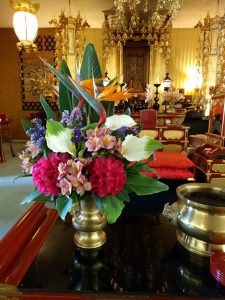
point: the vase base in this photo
(90, 240)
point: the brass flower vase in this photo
(89, 222)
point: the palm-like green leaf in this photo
(26, 124)
(63, 205)
(77, 90)
(63, 78)
(48, 111)
(65, 96)
(35, 196)
(90, 66)
(113, 206)
(144, 185)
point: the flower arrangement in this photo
(148, 93)
(172, 96)
(73, 157)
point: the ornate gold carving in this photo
(172, 148)
(164, 120)
(144, 19)
(173, 134)
(218, 168)
(218, 181)
(25, 5)
(9, 292)
(151, 133)
(69, 36)
(211, 44)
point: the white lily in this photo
(135, 148)
(117, 121)
(59, 138)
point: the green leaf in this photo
(54, 127)
(109, 107)
(35, 196)
(75, 101)
(21, 176)
(98, 201)
(113, 207)
(48, 111)
(65, 96)
(153, 145)
(77, 90)
(127, 111)
(89, 126)
(26, 124)
(137, 167)
(144, 185)
(90, 66)
(63, 205)
(64, 79)
(123, 195)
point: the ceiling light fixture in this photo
(140, 20)
(25, 23)
(70, 37)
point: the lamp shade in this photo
(26, 26)
(167, 82)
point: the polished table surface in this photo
(140, 257)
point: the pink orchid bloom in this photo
(93, 144)
(65, 186)
(107, 141)
(32, 148)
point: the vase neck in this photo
(88, 205)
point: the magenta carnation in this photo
(45, 174)
(107, 176)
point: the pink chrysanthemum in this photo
(45, 174)
(107, 176)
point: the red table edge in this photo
(16, 257)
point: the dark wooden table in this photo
(141, 259)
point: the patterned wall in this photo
(35, 78)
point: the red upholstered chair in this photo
(148, 118)
(5, 126)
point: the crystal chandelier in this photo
(140, 20)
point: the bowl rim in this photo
(188, 187)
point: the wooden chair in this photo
(5, 126)
(148, 118)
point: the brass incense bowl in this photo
(200, 217)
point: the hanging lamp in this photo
(25, 24)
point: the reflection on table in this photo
(140, 257)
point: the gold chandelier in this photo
(140, 20)
(25, 23)
(69, 36)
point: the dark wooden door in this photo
(136, 65)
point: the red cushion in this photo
(170, 173)
(173, 160)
